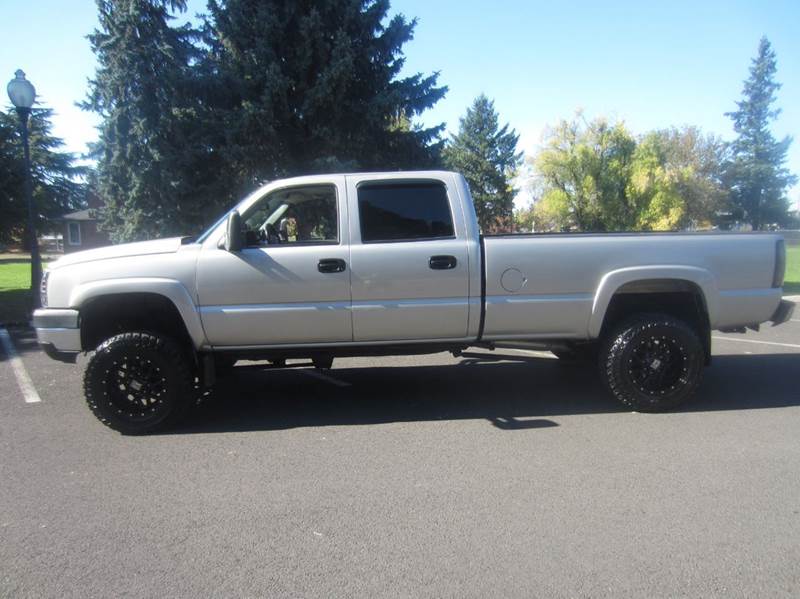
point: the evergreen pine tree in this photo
(57, 186)
(305, 86)
(486, 154)
(755, 174)
(142, 90)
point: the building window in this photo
(74, 233)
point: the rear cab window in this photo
(404, 211)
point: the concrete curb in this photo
(792, 298)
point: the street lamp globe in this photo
(21, 91)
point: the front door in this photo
(291, 283)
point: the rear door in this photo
(409, 260)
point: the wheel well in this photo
(679, 298)
(109, 315)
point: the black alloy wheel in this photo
(657, 365)
(137, 383)
(652, 362)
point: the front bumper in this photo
(58, 333)
(783, 312)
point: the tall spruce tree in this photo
(142, 90)
(314, 86)
(57, 181)
(487, 156)
(756, 174)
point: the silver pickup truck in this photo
(394, 263)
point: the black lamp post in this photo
(23, 94)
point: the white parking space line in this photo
(23, 380)
(324, 377)
(792, 345)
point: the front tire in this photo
(652, 362)
(137, 383)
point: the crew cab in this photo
(325, 266)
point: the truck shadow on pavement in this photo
(511, 394)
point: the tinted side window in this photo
(407, 211)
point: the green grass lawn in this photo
(791, 284)
(15, 274)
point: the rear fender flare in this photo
(614, 280)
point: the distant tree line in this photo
(598, 176)
(193, 117)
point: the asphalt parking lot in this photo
(427, 476)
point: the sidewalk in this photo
(21, 256)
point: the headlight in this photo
(43, 289)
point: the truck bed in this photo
(553, 285)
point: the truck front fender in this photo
(169, 288)
(614, 280)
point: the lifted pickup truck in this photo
(394, 263)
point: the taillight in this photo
(780, 263)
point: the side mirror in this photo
(234, 239)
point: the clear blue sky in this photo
(651, 64)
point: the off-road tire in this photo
(652, 362)
(138, 383)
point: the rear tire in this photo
(652, 362)
(137, 383)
